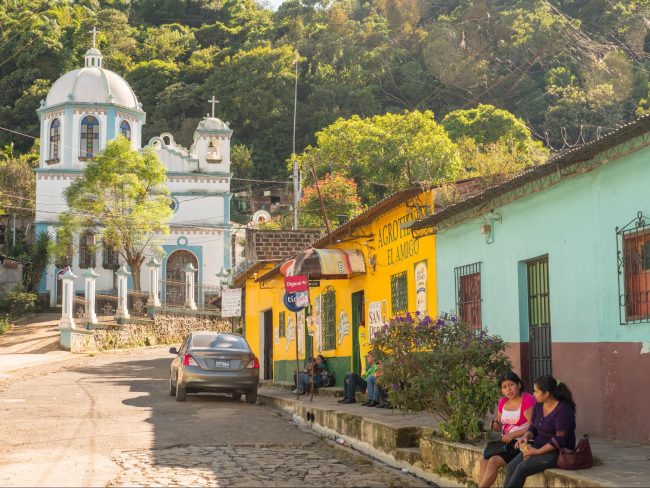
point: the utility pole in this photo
(296, 172)
(13, 242)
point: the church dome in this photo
(92, 84)
(212, 123)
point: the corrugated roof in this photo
(582, 153)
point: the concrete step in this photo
(333, 391)
(409, 454)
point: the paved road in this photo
(108, 421)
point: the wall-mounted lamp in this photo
(372, 262)
(487, 227)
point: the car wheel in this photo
(181, 392)
(251, 396)
(236, 396)
(172, 387)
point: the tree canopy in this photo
(384, 153)
(568, 69)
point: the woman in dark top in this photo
(553, 423)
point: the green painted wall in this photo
(573, 222)
(284, 370)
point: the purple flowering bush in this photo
(443, 366)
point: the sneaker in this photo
(382, 405)
(366, 403)
(342, 400)
(372, 404)
(347, 401)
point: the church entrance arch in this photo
(175, 277)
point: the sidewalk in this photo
(392, 433)
(31, 342)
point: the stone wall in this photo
(163, 329)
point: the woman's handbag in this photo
(493, 448)
(579, 458)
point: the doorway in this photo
(174, 285)
(539, 319)
(358, 320)
(268, 344)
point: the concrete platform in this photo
(407, 440)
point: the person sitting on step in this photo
(354, 381)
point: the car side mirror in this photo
(173, 350)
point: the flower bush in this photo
(443, 366)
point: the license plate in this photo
(220, 363)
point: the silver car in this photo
(215, 362)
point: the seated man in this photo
(353, 381)
(376, 394)
(304, 379)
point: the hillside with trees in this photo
(568, 70)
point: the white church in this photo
(90, 106)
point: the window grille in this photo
(86, 251)
(110, 257)
(468, 294)
(89, 140)
(399, 292)
(282, 332)
(328, 313)
(55, 138)
(633, 256)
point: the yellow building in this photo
(382, 271)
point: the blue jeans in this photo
(304, 382)
(373, 389)
(519, 469)
(351, 382)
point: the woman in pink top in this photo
(513, 419)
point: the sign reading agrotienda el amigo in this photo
(398, 243)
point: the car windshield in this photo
(219, 341)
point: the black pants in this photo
(519, 469)
(351, 382)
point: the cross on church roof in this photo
(94, 33)
(213, 101)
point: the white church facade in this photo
(90, 106)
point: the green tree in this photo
(122, 198)
(385, 153)
(17, 181)
(497, 134)
(340, 200)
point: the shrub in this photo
(17, 303)
(443, 366)
(5, 325)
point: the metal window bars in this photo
(399, 292)
(633, 259)
(173, 294)
(329, 320)
(468, 294)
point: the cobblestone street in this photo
(315, 464)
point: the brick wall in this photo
(274, 245)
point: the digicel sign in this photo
(296, 283)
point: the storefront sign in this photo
(421, 287)
(231, 302)
(398, 243)
(294, 284)
(296, 301)
(314, 283)
(375, 317)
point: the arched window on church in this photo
(89, 140)
(55, 140)
(125, 129)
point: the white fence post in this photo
(189, 286)
(90, 278)
(67, 316)
(154, 280)
(122, 311)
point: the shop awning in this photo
(328, 263)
